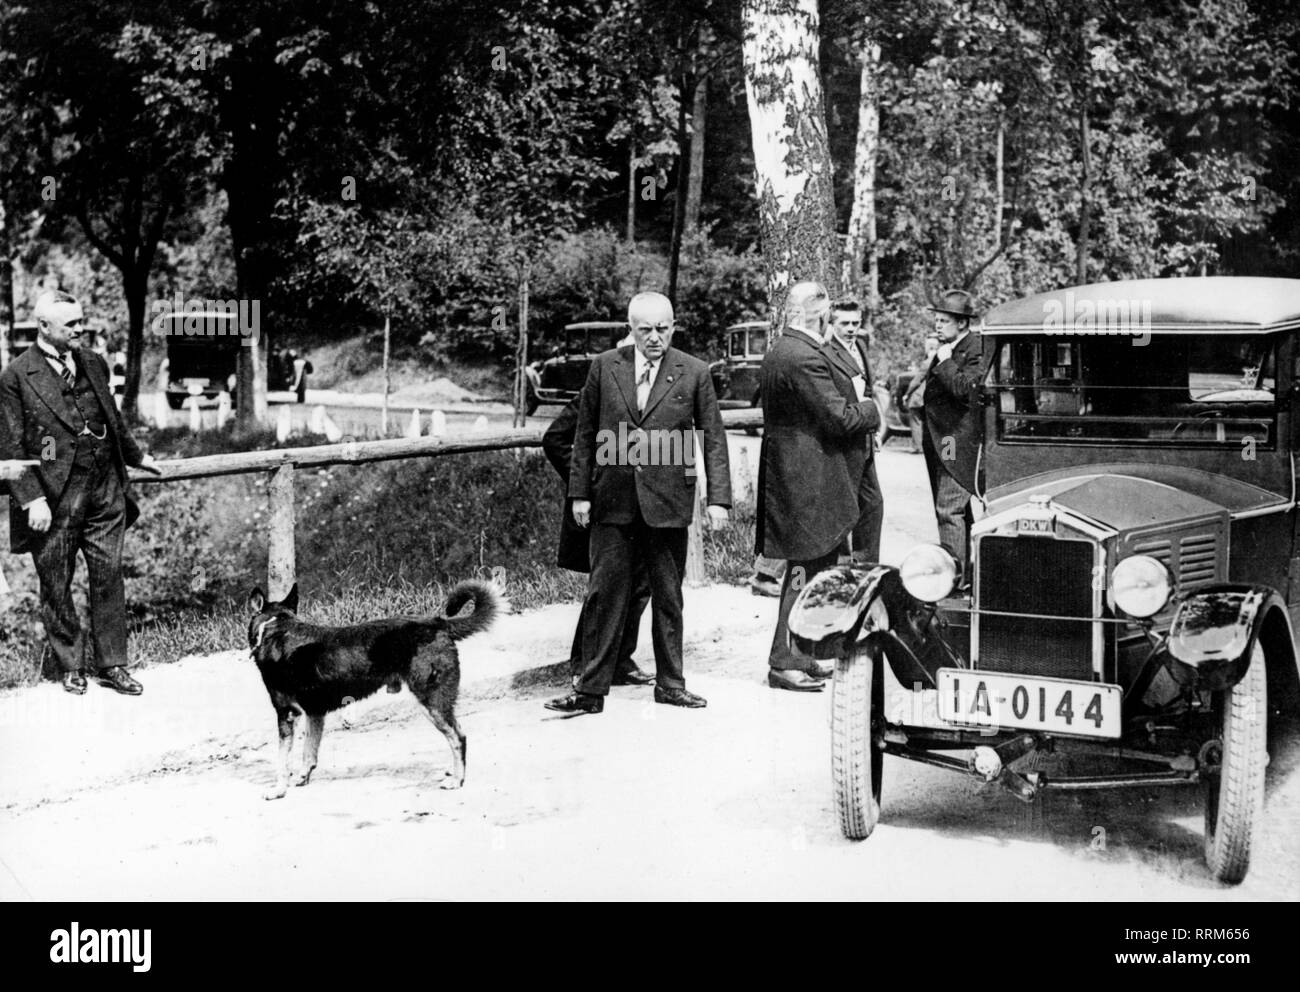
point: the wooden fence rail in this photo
(283, 462)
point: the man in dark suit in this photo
(56, 407)
(952, 422)
(846, 347)
(573, 553)
(632, 480)
(807, 500)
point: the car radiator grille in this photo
(1038, 576)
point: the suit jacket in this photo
(807, 501)
(681, 401)
(856, 454)
(574, 551)
(952, 408)
(35, 423)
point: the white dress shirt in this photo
(644, 382)
(58, 362)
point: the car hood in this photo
(1129, 496)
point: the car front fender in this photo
(1214, 632)
(850, 605)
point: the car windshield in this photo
(748, 341)
(1207, 390)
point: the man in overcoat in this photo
(807, 500)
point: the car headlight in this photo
(1140, 586)
(928, 573)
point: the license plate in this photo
(992, 700)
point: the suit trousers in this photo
(952, 510)
(631, 629)
(89, 517)
(797, 575)
(871, 505)
(617, 552)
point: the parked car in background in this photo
(203, 364)
(1135, 578)
(557, 379)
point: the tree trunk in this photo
(861, 242)
(632, 191)
(135, 288)
(999, 184)
(388, 381)
(521, 349)
(792, 163)
(695, 181)
(679, 201)
(1085, 204)
(6, 289)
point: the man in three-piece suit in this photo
(573, 553)
(56, 408)
(632, 481)
(807, 499)
(846, 347)
(952, 422)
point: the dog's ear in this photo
(256, 600)
(290, 602)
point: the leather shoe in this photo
(576, 703)
(821, 672)
(633, 676)
(795, 681)
(764, 585)
(74, 682)
(679, 697)
(117, 679)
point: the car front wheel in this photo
(1234, 794)
(857, 715)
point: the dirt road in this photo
(159, 797)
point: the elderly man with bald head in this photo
(807, 495)
(632, 482)
(56, 408)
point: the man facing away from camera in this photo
(632, 481)
(56, 408)
(807, 498)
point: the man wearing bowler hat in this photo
(952, 421)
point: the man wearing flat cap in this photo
(56, 409)
(952, 421)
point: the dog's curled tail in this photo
(487, 601)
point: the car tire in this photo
(1234, 795)
(530, 399)
(754, 431)
(857, 714)
(176, 401)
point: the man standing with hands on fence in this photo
(807, 501)
(56, 409)
(632, 481)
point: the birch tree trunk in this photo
(862, 246)
(792, 163)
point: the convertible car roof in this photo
(1230, 304)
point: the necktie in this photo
(68, 376)
(643, 386)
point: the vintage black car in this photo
(558, 379)
(735, 376)
(1135, 577)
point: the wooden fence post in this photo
(695, 573)
(280, 568)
